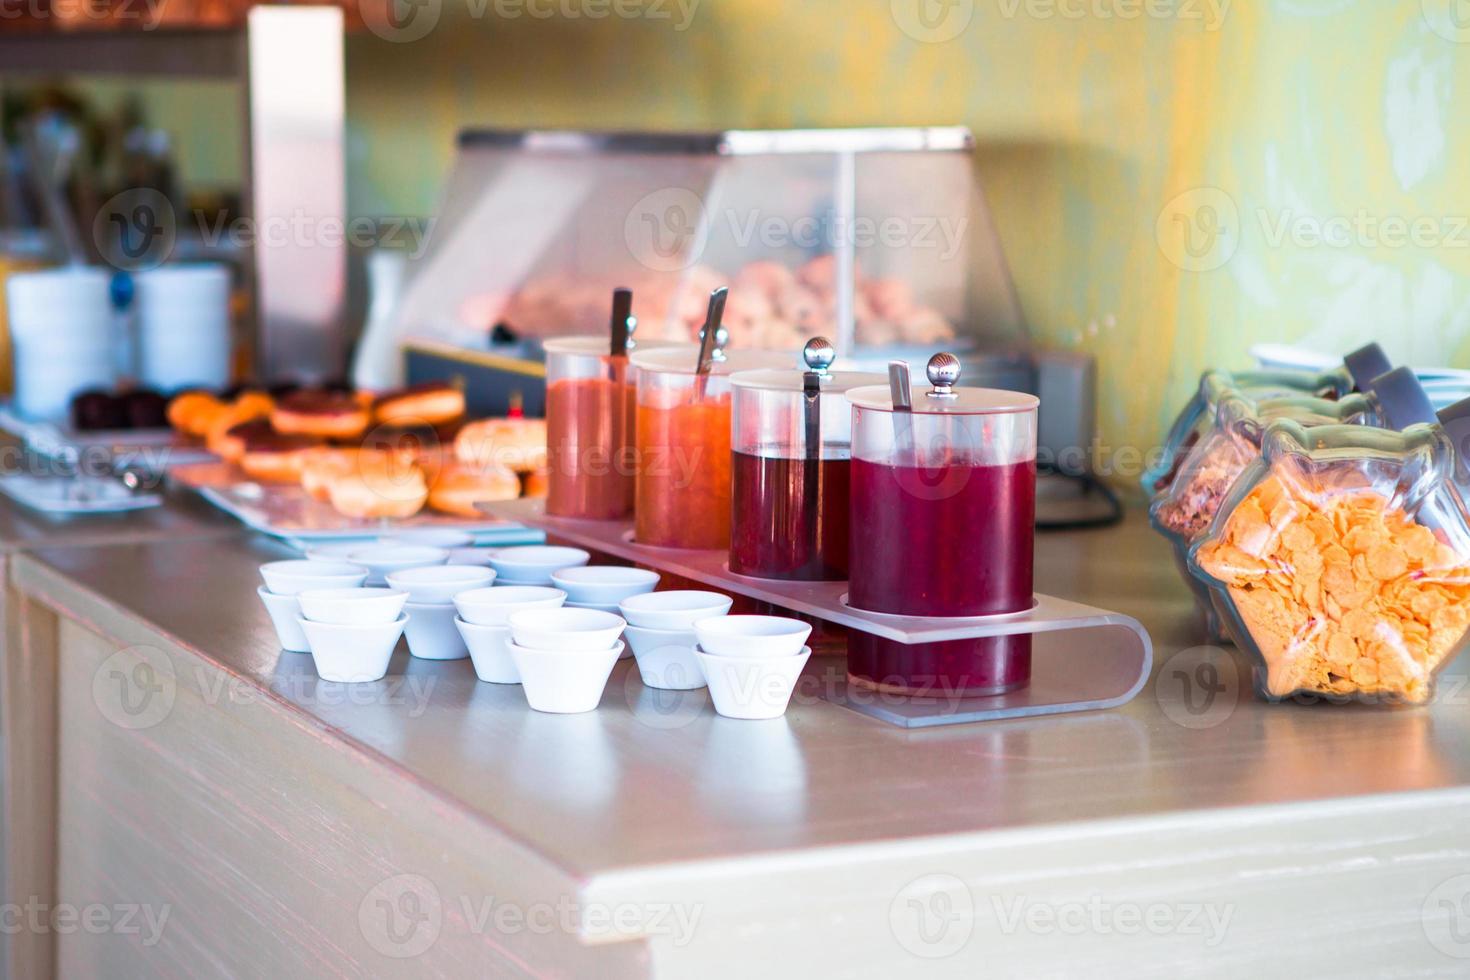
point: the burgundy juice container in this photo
(942, 516)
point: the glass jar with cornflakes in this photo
(1341, 560)
(1358, 369)
(1187, 508)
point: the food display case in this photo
(879, 239)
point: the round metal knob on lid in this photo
(818, 355)
(944, 373)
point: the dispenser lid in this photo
(595, 345)
(944, 396)
(1401, 399)
(682, 360)
(817, 358)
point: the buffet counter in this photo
(283, 826)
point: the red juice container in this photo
(791, 439)
(943, 506)
(590, 417)
(682, 493)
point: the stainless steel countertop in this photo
(641, 784)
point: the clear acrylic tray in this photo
(1083, 658)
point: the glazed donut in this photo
(194, 412)
(373, 490)
(275, 458)
(429, 404)
(534, 483)
(231, 438)
(460, 487)
(517, 444)
(326, 414)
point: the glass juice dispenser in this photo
(792, 443)
(682, 494)
(943, 510)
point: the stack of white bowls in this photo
(382, 560)
(352, 632)
(65, 337)
(534, 564)
(285, 580)
(661, 633)
(752, 663)
(565, 656)
(431, 614)
(603, 587)
(183, 325)
(484, 624)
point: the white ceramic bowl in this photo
(352, 653)
(471, 556)
(564, 681)
(291, 577)
(352, 607)
(382, 560)
(534, 564)
(489, 648)
(603, 585)
(493, 607)
(562, 630)
(752, 688)
(431, 633)
(676, 610)
(610, 607)
(334, 550)
(439, 584)
(665, 658)
(284, 611)
(432, 537)
(752, 636)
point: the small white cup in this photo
(352, 654)
(284, 611)
(489, 648)
(431, 537)
(352, 607)
(752, 636)
(674, 610)
(431, 633)
(564, 630)
(471, 556)
(665, 658)
(493, 607)
(298, 575)
(534, 564)
(600, 607)
(332, 550)
(752, 688)
(439, 584)
(603, 585)
(564, 682)
(382, 560)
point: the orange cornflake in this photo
(1344, 594)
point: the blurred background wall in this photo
(1173, 180)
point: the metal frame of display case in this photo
(289, 62)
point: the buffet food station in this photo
(749, 650)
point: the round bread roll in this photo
(379, 489)
(325, 414)
(429, 404)
(516, 444)
(323, 466)
(459, 488)
(276, 458)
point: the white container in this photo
(565, 629)
(534, 564)
(600, 607)
(471, 556)
(564, 681)
(752, 688)
(439, 584)
(298, 575)
(332, 550)
(432, 537)
(182, 315)
(603, 585)
(284, 611)
(431, 632)
(493, 607)
(64, 336)
(752, 636)
(673, 610)
(352, 607)
(382, 560)
(665, 658)
(352, 654)
(489, 648)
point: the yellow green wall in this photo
(1106, 127)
